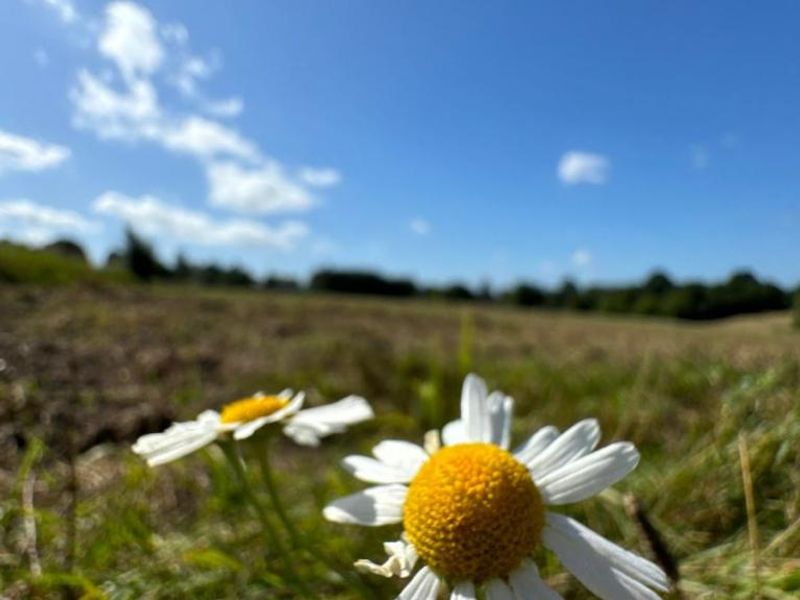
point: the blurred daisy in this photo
(474, 513)
(242, 418)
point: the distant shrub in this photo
(67, 248)
(361, 282)
(19, 264)
(796, 310)
(525, 294)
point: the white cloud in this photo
(206, 139)
(151, 216)
(129, 38)
(43, 216)
(64, 8)
(577, 167)
(265, 189)
(175, 33)
(41, 57)
(231, 107)
(135, 114)
(582, 258)
(125, 105)
(19, 153)
(700, 157)
(192, 69)
(35, 223)
(321, 178)
(129, 115)
(420, 226)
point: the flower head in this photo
(474, 512)
(242, 418)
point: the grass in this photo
(88, 368)
(20, 264)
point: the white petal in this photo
(463, 591)
(500, 408)
(535, 444)
(248, 428)
(177, 441)
(497, 589)
(454, 433)
(608, 571)
(424, 586)
(589, 475)
(374, 471)
(307, 434)
(527, 583)
(432, 442)
(380, 505)
(308, 426)
(208, 416)
(577, 441)
(401, 561)
(474, 411)
(401, 454)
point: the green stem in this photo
(273, 539)
(299, 543)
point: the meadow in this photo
(84, 370)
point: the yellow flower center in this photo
(473, 512)
(248, 409)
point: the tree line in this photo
(657, 295)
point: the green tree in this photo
(140, 258)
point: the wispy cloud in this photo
(420, 226)
(320, 178)
(228, 108)
(152, 216)
(65, 9)
(577, 167)
(130, 39)
(239, 175)
(35, 223)
(44, 216)
(582, 258)
(206, 139)
(262, 190)
(18, 153)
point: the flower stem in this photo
(273, 539)
(296, 539)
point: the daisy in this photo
(473, 512)
(242, 418)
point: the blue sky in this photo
(444, 140)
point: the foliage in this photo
(140, 258)
(361, 282)
(796, 310)
(20, 264)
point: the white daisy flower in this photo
(474, 512)
(242, 418)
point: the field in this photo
(84, 370)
